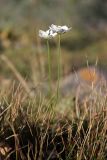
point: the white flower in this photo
(47, 34)
(59, 29)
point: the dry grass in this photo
(30, 129)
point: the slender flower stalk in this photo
(49, 67)
(49, 34)
(59, 65)
(59, 30)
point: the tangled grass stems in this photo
(48, 136)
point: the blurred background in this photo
(20, 22)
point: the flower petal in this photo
(59, 29)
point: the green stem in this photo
(59, 65)
(49, 66)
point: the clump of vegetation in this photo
(34, 125)
(30, 129)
